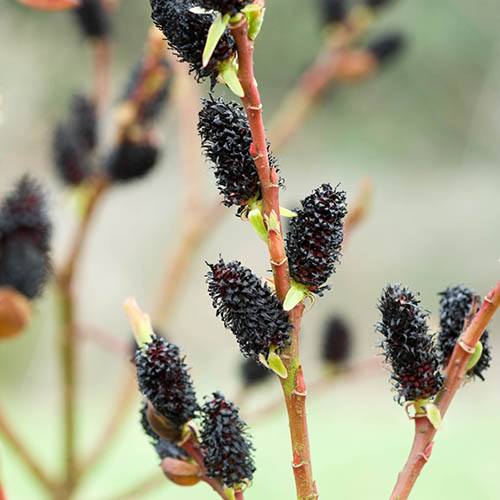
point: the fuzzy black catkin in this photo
(93, 18)
(455, 306)
(164, 380)
(187, 32)
(226, 140)
(387, 47)
(25, 231)
(163, 447)
(226, 445)
(408, 346)
(333, 11)
(314, 239)
(253, 373)
(132, 160)
(337, 341)
(376, 4)
(248, 308)
(231, 7)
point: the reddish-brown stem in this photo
(238, 495)
(456, 372)
(102, 62)
(294, 388)
(193, 450)
(25, 455)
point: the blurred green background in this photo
(426, 130)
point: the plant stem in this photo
(139, 490)
(294, 388)
(26, 457)
(456, 372)
(68, 337)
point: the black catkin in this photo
(408, 346)
(253, 373)
(164, 380)
(387, 47)
(226, 140)
(93, 18)
(132, 160)
(187, 31)
(314, 240)
(74, 140)
(376, 4)
(25, 231)
(337, 341)
(163, 447)
(333, 11)
(455, 307)
(231, 7)
(248, 308)
(226, 445)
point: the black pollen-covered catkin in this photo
(253, 373)
(226, 140)
(314, 239)
(74, 140)
(226, 446)
(408, 346)
(25, 231)
(93, 18)
(132, 160)
(248, 308)
(333, 11)
(337, 341)
(455, 307)
(164, 380)
(387, 47)
(163, 447)
(376, 4)
(231, 7)
(186, 32)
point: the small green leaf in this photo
(433, 415)
(287, 213)
(476, 356)
(276, 364)
(255, 17)
(263, 360)
(295, 295)
(228, 74)
(214, 35)
(257, 221)
(229, 493)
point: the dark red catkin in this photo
(455, 307)
(248, 308)
(231, 7)
(187, 31)
(408, 346)
(226, 140)
(25, 231)
(314, 239)
(226, 446)
(74, 140)
(132, 160)
(253, 373)
(337, 341)
(93, 18)
(164, 380)
(387, 47)
(163, 447)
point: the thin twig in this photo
(147, 485)
(25, 455)
(294, 388)
(456, 372)
(102, 64)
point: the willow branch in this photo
(102, 65)
(294, 388)
(455, 374)
(26, 457)
(147, 485)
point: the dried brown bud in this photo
(180, 472)
(15, 312)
